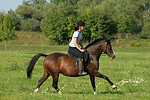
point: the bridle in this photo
(107, 48)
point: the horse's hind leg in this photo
(44, 78)
(55, 81)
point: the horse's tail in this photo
(32, 63)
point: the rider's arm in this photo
(77, 46)
(81, 44)
(75, 43)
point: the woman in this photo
(74, 47)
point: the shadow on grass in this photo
(93, 93)
(117, 92)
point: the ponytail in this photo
(75, 28)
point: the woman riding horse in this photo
(56, 63)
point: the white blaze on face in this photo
(112, 49)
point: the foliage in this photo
(103, 18)
(25, 11)
(146, 26)
(31, 12)
(56, 25)
(122, 23)
(33, 3)
(6, 28)
(30, 25)
(38, 13)
(70, 2)
(95, 24)
(16, 20)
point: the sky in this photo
(10, 4)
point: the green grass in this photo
(129, 71)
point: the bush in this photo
(59, 22)
(30, 25)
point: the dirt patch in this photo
(31, 37)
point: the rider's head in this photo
(80, 26)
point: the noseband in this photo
(106, 48)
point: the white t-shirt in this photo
(77, 35)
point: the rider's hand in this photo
(82, 50)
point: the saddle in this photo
(86, 59)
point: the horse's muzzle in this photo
(112, 56)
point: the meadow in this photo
(129, 71)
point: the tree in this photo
(6, 29)
(38, 13)
(38, 8)
(70, 2)
(146, 28)
(95, 22)
(33, 3)
(102, 17)
(16, 20)
(122, 24)
(70, 26)
(25, 11)
(98, 23)
(31, 13)
(56, 22)
(30, 25)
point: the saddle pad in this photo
(75, 58)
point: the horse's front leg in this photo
(92, 78)
(97, 74)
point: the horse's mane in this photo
(95, 42)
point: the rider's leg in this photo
(81, 68)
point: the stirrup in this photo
(82, 72)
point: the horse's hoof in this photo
(114, 87)
(59, 92)
(36, 91)
(95, 92)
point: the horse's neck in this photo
(95, 51)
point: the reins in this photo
(92, 54)
(100, 50)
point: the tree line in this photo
(103, 18)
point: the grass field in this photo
(130, 72)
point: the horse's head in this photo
(107, 49)
(101, 45)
